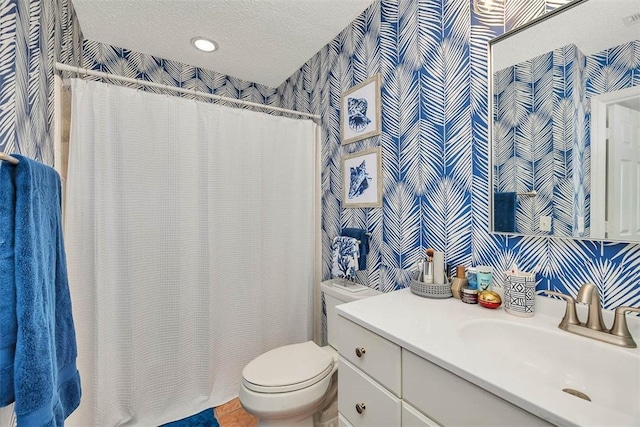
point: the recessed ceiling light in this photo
(203, 44)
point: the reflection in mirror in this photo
(565, 126)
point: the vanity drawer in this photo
(377, 357)
(342, 421)
(411, 417)
(454, 401)
(378, 406)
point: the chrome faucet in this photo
(594, 327)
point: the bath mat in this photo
(205, 418)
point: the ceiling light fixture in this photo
(203, 44)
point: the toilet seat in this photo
(288, 368)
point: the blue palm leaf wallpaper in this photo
(33, 34)
(8, 11)
(535, 114)
(432, 58)
(561, 264)
(435, 151)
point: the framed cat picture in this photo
(362, 179)
(360, 111)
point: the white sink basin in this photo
(553, 359)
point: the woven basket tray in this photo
(430, 290)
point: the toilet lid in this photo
(287, 368)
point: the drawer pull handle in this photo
(360, 407)
(360, 351)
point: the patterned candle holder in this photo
(520, 294)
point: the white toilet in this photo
(296, 385)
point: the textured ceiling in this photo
(262, 41)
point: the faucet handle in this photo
(570, 315)
(620, 328)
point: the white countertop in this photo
(430, 328)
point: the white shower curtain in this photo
(189, 235)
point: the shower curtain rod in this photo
(86, 72)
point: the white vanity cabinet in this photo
(411, 417)
(369, 352)
(363, 401)
(370, 381)
(454, 401)
(369, 377)
(382, 384)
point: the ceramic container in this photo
(520, 293)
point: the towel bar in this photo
(532, 193)
(9, 158)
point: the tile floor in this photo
(231, 414)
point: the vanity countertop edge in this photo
(429, 328)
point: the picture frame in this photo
(361, 111)
(362, 179)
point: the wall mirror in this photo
(565, 124)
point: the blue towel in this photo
(345, 257)
(504, 212)
(8, 320)
(361, 235)
(46, 383)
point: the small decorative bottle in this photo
(459, 282)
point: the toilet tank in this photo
(336, 292)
